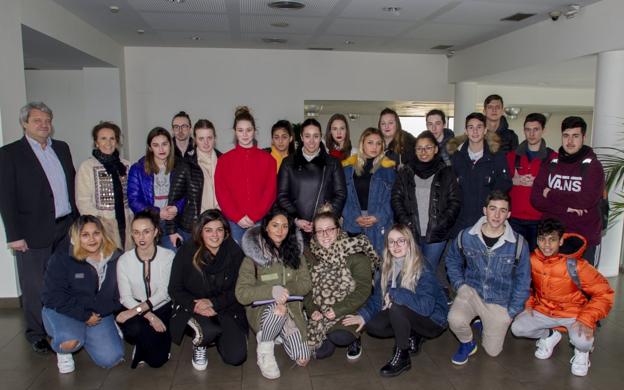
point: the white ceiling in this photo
(419, 26)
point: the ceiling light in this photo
(274, 40)
(114, 9)
(140, 31)
(393, 10)
(176, 1)
(196, 38)
(280, 24)
(348, 42)
(512, 111)
(286, 5)
(353, 117)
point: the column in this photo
(465, 103)
(608, 129)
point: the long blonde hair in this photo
(108, 244)
(412, 266)
(361, 157)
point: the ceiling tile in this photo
(312, 8)
(212, 6)
(481, 12)
(262, 24)
(447, 32)
(186, 21)
(343, 26)
(410, 10)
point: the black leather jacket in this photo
(188, 184)
(302, 186)
(444, 203)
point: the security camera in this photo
(554, 15)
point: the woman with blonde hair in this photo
(80, 297)
(369, 177)
(407, 302)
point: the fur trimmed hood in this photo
(493, 142)
(252, 244)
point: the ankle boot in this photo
(399, 362)
(266, 358)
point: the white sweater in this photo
(132, 288)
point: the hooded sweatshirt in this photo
(554, 292)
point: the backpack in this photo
(603, 205)
(518, 250)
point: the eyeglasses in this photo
(422, 149)
(181, 127)
(326, 232)
(398, 242)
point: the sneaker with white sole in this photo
(200, 358)
(546, 346)
(354, 350)
(580, 363)
(65, 363)
(266, 358)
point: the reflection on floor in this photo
(515, 368)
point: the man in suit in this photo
(37, 206)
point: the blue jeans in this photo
(102, 341)
(237, 232)
(432, 253)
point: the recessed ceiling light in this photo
(286, 4)
(140, 31)
(348, 42)
(396, 11)
(176, 1)
(114, 9)
(196, 38)
(280, 24)
(274, 40)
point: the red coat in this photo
(245, 183)
(521, 206)
(554, 293)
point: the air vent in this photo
(321, 48)
(286, 5)
(517, 17)
(441, 47)
(274, 40)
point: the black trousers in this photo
(151, 347)
(224, 331)
(31, 267)
(336, 338)
(401, 322)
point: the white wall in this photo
(210, 83)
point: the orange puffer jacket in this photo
(554, 292)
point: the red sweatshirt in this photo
(245, 183)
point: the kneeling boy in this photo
(567, 293)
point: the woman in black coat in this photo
(203, 279)
(310, 178)
(426, 198)
(197, 173)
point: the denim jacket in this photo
(493, 272)
(379, 205)
(428, 299)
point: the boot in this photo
(399, 362)
(266, 358)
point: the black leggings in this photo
(224, 331)
(151, 347)
(400, 321)
(336, 338)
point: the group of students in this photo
(289, 241)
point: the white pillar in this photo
(608, 129)
(465, 103)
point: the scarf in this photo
(424, 170)
(116, 169)
(567, 158)
(208, 164)
(332, 281)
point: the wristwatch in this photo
(138, 309)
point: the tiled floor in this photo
(515, 368)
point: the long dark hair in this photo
(329, 140)
(204, 218)
(289, 251)
(149, 166)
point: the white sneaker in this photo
(200, 358)
(266, 358)
(580, 363)
(65, 363)
(546, 346)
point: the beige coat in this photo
(94, 188)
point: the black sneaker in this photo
(399, 362)
(354, 350)
(415, 343)
(41, 346)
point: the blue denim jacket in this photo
(428, 299)
(379, 205)
(492, 272)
